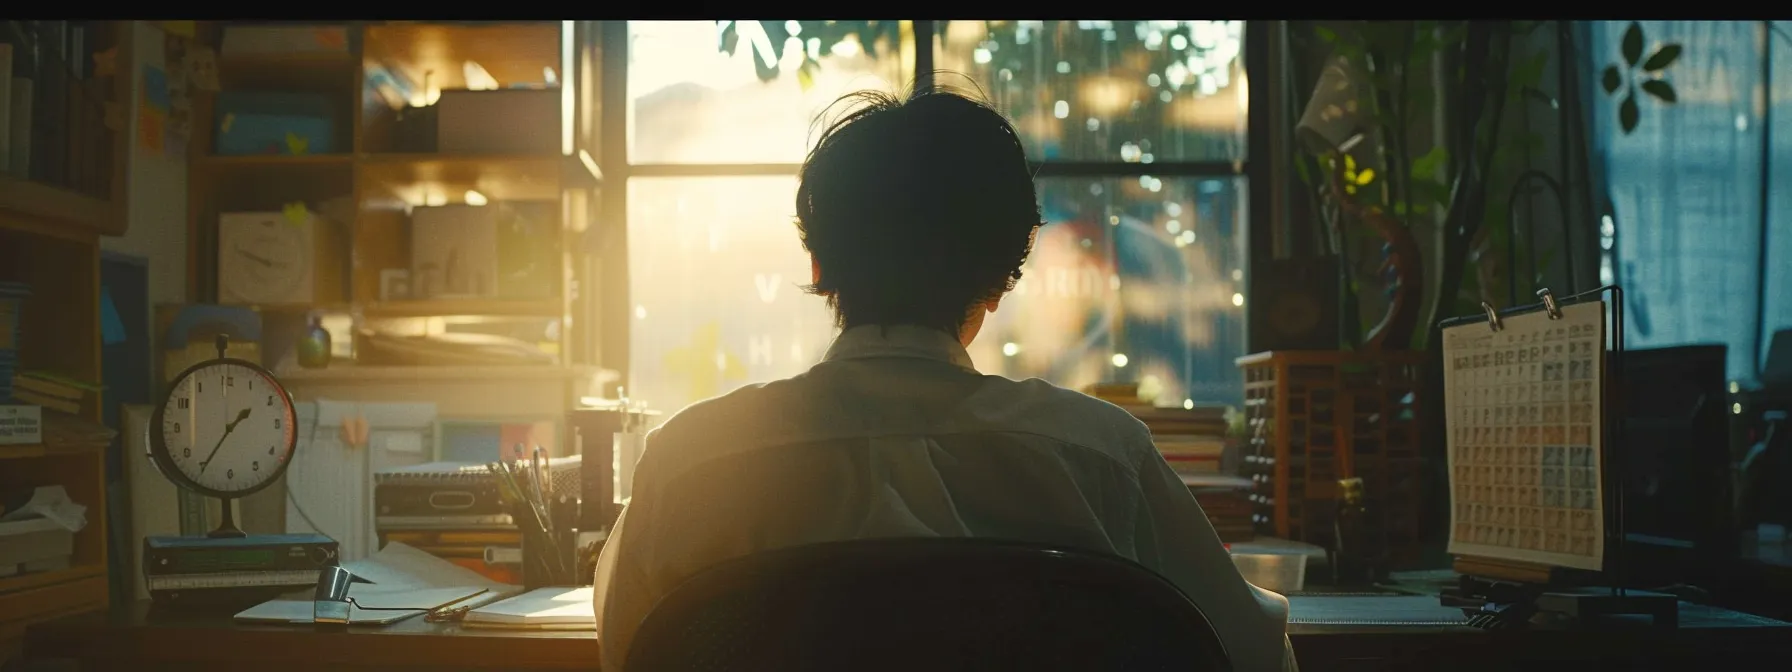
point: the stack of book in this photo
(456, 511)
(1227, 502)
(1192, 439)
(451, 511)
(53, 392)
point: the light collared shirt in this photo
(895, 434)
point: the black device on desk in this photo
(1679, 527)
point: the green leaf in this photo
(1628, 114)
(1662, 90)
(1662, 58)
(1611, 80)
(1305, 173)
(1633, 44)
(1426, 168)
(1328, 35)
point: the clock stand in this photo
(228, 569)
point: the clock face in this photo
(225, 429)
(264, 259)
(271, 257)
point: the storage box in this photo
(454, 252)
(513, 121)
(274, 123)
(21, 425)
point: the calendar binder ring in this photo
(1549, 303)
(1493, 316)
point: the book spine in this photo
(5, 107)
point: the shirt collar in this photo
(899, 340)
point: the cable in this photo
(310, 439)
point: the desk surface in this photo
(1325, 629)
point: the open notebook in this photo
(402, 578)
(539, 609)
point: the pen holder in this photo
(548, 558)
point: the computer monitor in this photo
(1674, 457)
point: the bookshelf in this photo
(383, 180)
(53, 213)
(383, 184)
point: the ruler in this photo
(296, 577)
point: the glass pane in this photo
(1686, 188)
(692, 101)
(714, 266)
(1108, 90)
(1133, 279)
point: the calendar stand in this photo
(1502, 593)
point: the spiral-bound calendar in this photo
(1523, 412)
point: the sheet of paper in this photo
(52, 502)
(414, 601)
(1523, 416)
(401, 565)
(542, 606)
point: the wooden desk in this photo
(1329, 633)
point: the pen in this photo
(542, 487)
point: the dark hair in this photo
(916, 210)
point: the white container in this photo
(1276, 572)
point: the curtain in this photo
(1689, 199)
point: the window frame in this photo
(611, 313)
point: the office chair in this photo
(926, 604)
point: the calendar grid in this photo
(1523, 423)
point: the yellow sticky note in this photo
(296, 214)
(296, 145)
(228, 120)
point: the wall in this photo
(157, 192)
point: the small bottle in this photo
(1351, 556)
(314, 348)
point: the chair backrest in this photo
(926, 604)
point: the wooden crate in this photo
(1314, 417)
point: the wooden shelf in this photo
(472, 307)
(414, 374)
(413, 178)
(14, 452)
(544, 308)
(39, 208)
(38, 579)
(275, 160)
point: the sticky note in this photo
(296, 145)
(296, 214)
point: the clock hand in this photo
(258, 258)
(240, 417)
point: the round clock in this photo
(224, 429)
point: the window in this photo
(1690, 206)
(1139, 130)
